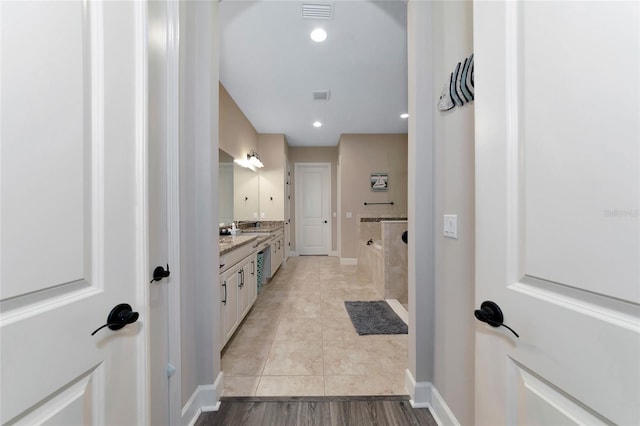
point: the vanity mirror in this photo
(238, 191)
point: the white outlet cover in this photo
(450, 226)
(349, 215)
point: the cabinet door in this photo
(274, 257)
(243, 298)
(229, 297)
(251, 280)
(247, 289)
(277, 254)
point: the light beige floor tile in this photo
(240, 385)
(302, 309)
(291, 386)
(361, 385)
(364, 294)
(295, 359)
(338, 328)
(299, 329)
(254, 329)
(343, 358)
(244, 363)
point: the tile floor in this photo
(298, 339)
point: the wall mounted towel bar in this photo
(367, 204)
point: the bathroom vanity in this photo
(239, 271)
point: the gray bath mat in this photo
(375, 318)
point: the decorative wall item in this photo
(459, 90)
(379, 182)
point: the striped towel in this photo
(459, 89)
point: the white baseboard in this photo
(205, 398)
(348, 261)
(293, 253)
(425, 395)
(419, 392)
(441, 411)
(333, 253)
(399, 309)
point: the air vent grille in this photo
(317, 11)
(321, 95)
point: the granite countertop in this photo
(255, 235)
(229, 242)
(265, 227)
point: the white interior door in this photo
(73, 202)
(558, 237)
(313, 195)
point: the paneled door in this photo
(558, 229)
(313, 209)
(73, 218)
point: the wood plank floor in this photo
(317, 411)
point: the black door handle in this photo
(325, 221)
(119, 316)
(159, 273)
(224, 302)
(491, 313)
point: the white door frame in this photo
(164, 21)
(173, 209)
(327, 230)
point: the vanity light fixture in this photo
(251, 162)
(318, 35)
(317, 124)
(254, 159)
(243, 162)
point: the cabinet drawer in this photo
(233, 257)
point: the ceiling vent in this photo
(317, 11)
(321, 95)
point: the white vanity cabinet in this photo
(238, 287)
(277, 251)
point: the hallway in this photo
(298, 339)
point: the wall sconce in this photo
(251, 162)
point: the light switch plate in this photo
(450, 228)
(349, 215)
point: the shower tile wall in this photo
(395, 261)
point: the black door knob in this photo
(491, 313)
(119, 316)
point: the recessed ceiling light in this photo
(405, 115)
(317, 124)
(318, 35)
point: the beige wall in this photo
(315, 155)
(360, 155)
(237, 134)
(454, 194)
(272, 149)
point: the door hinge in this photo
(170, 370)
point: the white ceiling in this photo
(270, 67)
